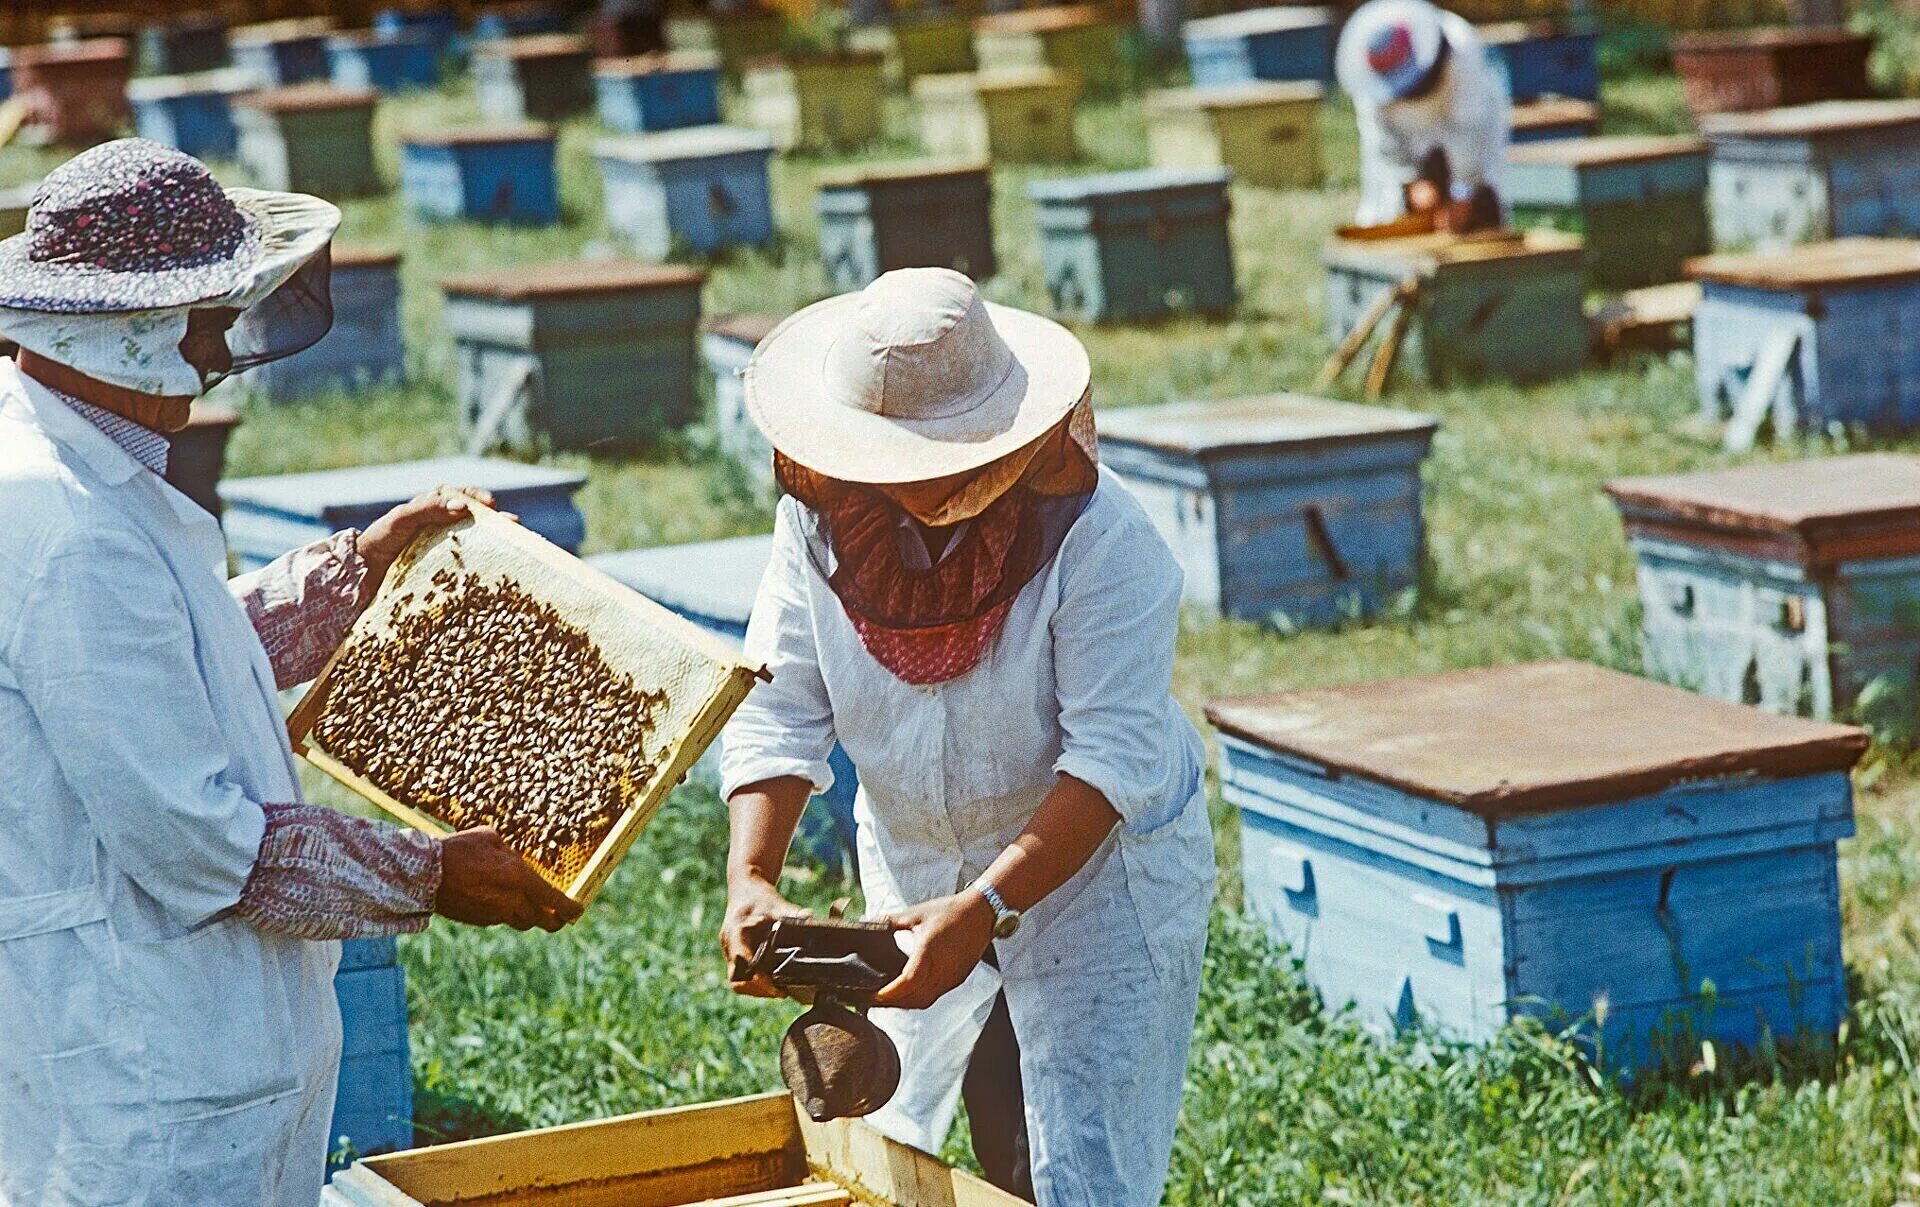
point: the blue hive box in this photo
(193, 113)
(1137, 245)
(1261, 44)
(713, 584)
(541, 77)
(1552, 840)
(278, 53)
(1639, 204)
(1279, 507)
(438, 26)
(1831, 170)
(363, 348)
(384, 63)
(577, 354)
(1838, 316)
(1544, 121)
(6, 73)
(1794, 587)
(698, 189)
(499, 173)
(518, 19)
(184, 44)
(646, 93)
(877, 218)
(373, 1112)
(267, 516)
(727, 343)
(1541, 61)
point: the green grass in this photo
(1287, 1103)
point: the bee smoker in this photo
(837, 1064)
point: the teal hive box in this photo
(1279, 508)
(1542, 121)
(578, 355)
(278, 53)
(1541, 59)
(1649, 866)
(646, 93)
(1639, 204)
(1284, 43)
(541, 77)
(268, 516)
(726, 344)
(1136, 245)
(1832, 170)
(1483, 308)
(373, 1110)
(698, 189)
(482, 174)
(309, 138)
(192, 113)
(713, 584)
(1838, 316)
(363, 348)
(1794, 587)
(877, 218)
(396, 62)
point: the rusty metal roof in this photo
(1533, 738)
(1262, 421)
(571, 278)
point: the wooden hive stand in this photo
(816, 102)
(1832, 170)
(700, 189)
(1003, 117)
(498, 173)
(309, 138)
(924, 214)
(1730, 71)
(1287, 43)
(1458, 850)
(537, 77)
(643, 94)
(1640, 204)
(1267, 132)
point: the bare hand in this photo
(484, 882)
(388, 537)
(751, 903)
(951, 934)
(1423, 197)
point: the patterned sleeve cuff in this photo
(324, 875)
(302, 604)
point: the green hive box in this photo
(309, 138)
(577, 354)
(1640, 203)
(1137, 245)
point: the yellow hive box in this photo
(1070, 37)
(1003, 117)
(919, 44)
(497, 680)
(746, 1152)
(1267, 132)
(816, 102)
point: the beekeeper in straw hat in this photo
(1434, 114)
(168, 1032)
(985, 620)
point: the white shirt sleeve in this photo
(104, 656)
(785, 727)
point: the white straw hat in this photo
(912, 378)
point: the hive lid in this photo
(300, 98)
(265, 33)
(1043, 20)
(1257, 21)
(1814, 265)
(327, 492)
(664, 63)
(747, 328)
(353, 255)
(493, 132)
(713, 579)
(1268, 421)
(1817, 511)
(788, 59)
(693, 142)
(1533, 738)
(365, 39)
(228, 80)
(1556, 111)
(1602, 151)
(1238, 96)
(1422, 255)
(1506, 33)
(91, 50)
(1822, 117)
(535, 46)
(1000, 79)
(1120, 184)
(571, 278)
(1770, 38)
(899, 171)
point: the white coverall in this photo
(1103, 977)
(154, 1052)
(1468, 115)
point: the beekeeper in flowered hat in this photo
(985, 620)
(168, 1030)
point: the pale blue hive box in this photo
(1840, 316)
(1831, 170)
(727, 343)
(1137, 245)
(698, 189)
(647, 93)
(1282, 505)
(374, 1110)
(267, 516)
(540, 77)
(713, 584)
(1541, 60)
(927, 214)
(1463, 849)
(278, 53)
(363, 348)
(1285, 43)
(192, 113)
(580, 354)
(499, 173)
(184, 45)
(6, 73)
(384, 63)
(1794, 586)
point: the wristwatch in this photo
(1005, 920)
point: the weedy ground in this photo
(1287, 1102)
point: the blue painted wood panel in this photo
(1550, 64)
(1771, 193)
(1137, 245)
(492, 181)
(195, 118)
(396, 63)
(666, 99)
(874, 225)
(1260, 44)
(373, 1111)
(698, 189)
(364, 346)
(439, 28)
(278, 61)
(518, 21)
(726, 357)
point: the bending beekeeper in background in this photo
(1434, 112)
(985, 619)
(168, 1029)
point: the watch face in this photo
(1005, 925)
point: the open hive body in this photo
(747, 1152)
(692, 680)
(1831, 170)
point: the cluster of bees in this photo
(483, 706)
